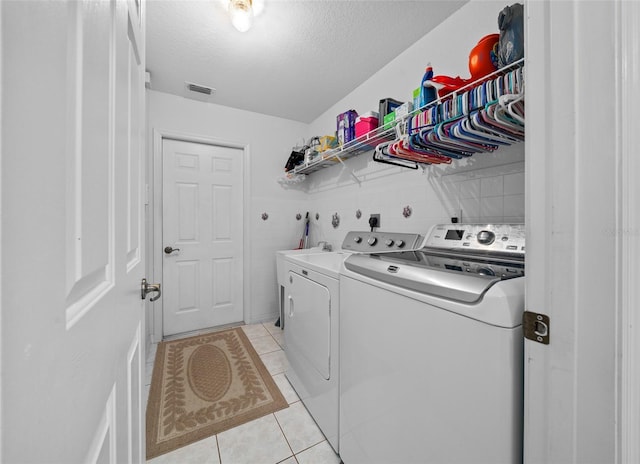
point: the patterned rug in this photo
(204, 385)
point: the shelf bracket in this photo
(344, 166)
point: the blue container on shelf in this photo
(346, 125)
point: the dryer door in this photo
(308, 314)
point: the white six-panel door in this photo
(72, 231)
(202, 221)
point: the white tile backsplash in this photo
(491, 207)
(514, 206)
(493, 194)
(514, 183)
(491, 186)
(469, 188)
(470, 207)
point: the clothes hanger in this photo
(495, 113)
(404, 151)
(448, 146)
(417, 144)
(380, 155)
(428, 154)
(514, 106)
(444, 133)
(464, 131)
(472, 126)
(501, 114)
(477, 121)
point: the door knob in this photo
(168, 250)
(146, 288)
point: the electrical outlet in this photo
(374, 221)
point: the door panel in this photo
(103, 446)
(221, 284)
(89, 157)
(187, 213)
(202, 201)
(188, 278)
(72, 228)
(135, 149)
(221, 201)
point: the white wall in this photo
(446, 47)
(269, 140)
(475, 190)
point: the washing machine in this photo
(431, 350)
(312, 317)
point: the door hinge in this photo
(536, 327)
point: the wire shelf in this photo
(369, 141)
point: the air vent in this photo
(201, 89)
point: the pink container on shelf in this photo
(366, 123)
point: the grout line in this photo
(315, 444)
(292, 456)
(285, 436)
(218, 448)
(274, 340)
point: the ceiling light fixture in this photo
(241, 12)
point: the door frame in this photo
(154, 252)
(628, 95)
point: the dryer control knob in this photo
(372, 241)
(388, 242)
(357, 239)
(400, 243)
(486, 237)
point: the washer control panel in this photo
(378, 242)
(508, 238)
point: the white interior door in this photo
(580, 231)
(202, 221)
(72, 231)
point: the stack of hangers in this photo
(499, 122)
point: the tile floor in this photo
(288, 436)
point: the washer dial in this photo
(486, 237)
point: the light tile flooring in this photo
(288, 436)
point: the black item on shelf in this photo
(511, 43)
(295, 158)
(386, 106)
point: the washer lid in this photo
(465, 279)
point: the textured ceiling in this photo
(299, 58)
